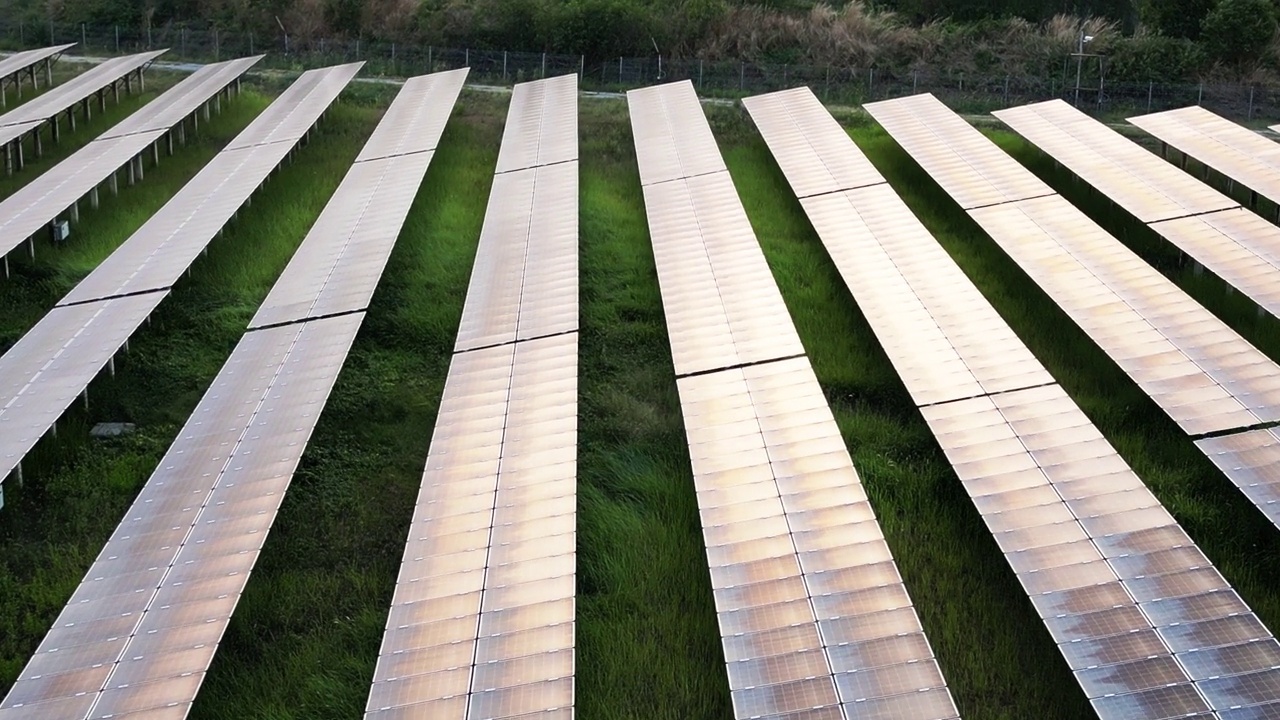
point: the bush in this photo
(1238, 31)
(1146, 57)
(1177, 18)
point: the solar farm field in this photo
(650, 634)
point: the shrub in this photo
(1157, 58)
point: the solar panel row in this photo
(1240, 247)
(1199, 371)
(39, 203)
(1234, 151)
(482, 621)
(1136, 609)
(146, 265)
(140, 632)
(80, 90)
(28, 62)
(814, 618)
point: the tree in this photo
(1177, 18)
(1237, 31)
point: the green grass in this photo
(305, 636)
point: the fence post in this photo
(544, 65)
(430, 65)
(826, 88)
(217, 46)
(1200, 98)
(250, 43)
(699, 73)
(182, 33)
(84, 46)
(148, 36)
(582, 67)
(915, 81)
(1151, 88)
(117, 39)
(620, 71)
(504, 66)
(1006, 90)
(785, 68)
(1250, 102)
(742, 78)
(466, 57)
(393, 58)
(871, 82)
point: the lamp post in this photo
(1080, 62)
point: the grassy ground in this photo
(304, 639)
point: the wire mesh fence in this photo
(837, 85)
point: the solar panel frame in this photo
(18, 62)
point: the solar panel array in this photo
(14, 66)
(1240, 247)
(814, 617)
(1147, 625)
(139, 634)
(1199, 371)
(482, 621)
(147, 264)
(28, 117)
(1231, 150)
(40, 202)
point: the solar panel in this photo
(973, 171)
(36, 205)
(1252, 462)
(813, 150)
(525, 280)
(814, 618)
(542, 124)
(17, 62)
(1136, 180)
(1238, 246)
(54, 362)
(349, 244)
(160, 251)
(298, 108)
(140, 631)
(722, 306)
(677, 139)
(1234, 151)
(1200, 372)
(183, 99)
(1124, 592)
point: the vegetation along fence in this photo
(834, 84)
